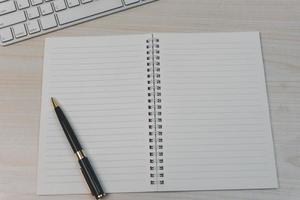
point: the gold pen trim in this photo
(101, 196)
(80, 154)
(54, 102)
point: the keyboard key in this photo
(87, 10)
(36, 2)
(19, 30)
(86, 1)
(127, 2)
(24, 19)
(12, 18)
(7, 7)
(6, 35)
(46, 9)
(32, 13)
(59, 5)
(22, 4)
(33, 26)
(48, 22)
(72, 3)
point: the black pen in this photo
(86, 167)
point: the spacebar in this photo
(87, 10)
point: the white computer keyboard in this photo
(24, 19)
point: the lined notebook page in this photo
(216, 124)
(101, 84)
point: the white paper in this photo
(215, 113)
(216, 124)
(101, 84)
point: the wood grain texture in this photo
(279, 24)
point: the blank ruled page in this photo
(101, 84)
(216, 125)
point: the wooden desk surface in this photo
(277, 20)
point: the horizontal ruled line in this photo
(215, 119)
(106, 174)
(103, 104)
(172, 171)
(218, 151)
(90, 46)
(100, 74)
(202, 158)
(100, 116)
(132, 133)
(102, 57)
(185, 137)
(112, 180)
(123, 166)
(102, 128)
(95, 80)
(106, 109)
(56, 143)
(65, 155)
(224, 177)
(224, 164)
(220, 144)
(97, 63)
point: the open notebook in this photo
(157, 112)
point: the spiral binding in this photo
(154, 112)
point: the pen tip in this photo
(54, 102)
